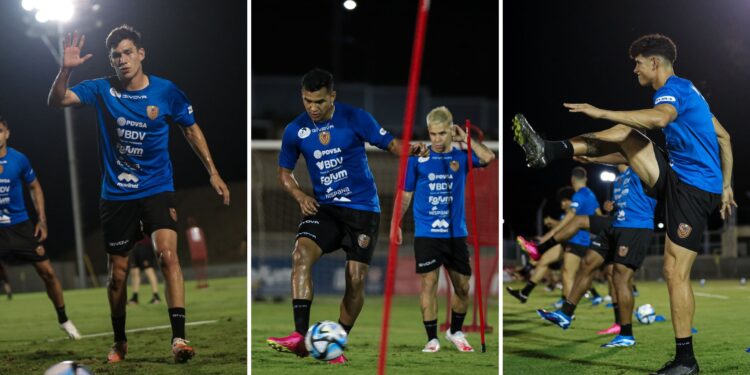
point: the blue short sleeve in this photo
(86, 91)
(411, 174)
(289, 149)
(668, 95)
(181, 109)
(27, 172)
(371, 131)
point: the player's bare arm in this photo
(398, 215)
(59, 94)
(37, 197)
(570, 214)
(727, 161)
(415, 149)
(307, 204)
(610, 159)
(644, 119)
(550, 222)
(197, 141)
(484, 154)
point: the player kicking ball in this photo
(437, 184)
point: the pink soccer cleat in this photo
(294, 343)
(613, 330)
(529, 247)
(340, 360)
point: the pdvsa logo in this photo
(433, 176)
(334, 177)
(122, 121)
(320, 153)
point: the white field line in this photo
(154, 328)
(718, 296)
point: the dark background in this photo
(577, 51)
(199, 45)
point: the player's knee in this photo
(301, 255)
(167, 257)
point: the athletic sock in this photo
(558, 150)
(61, 316)
(457, 321)
(346, 327)
(594, 292)
(177, 319)
(546, 245)
(568, 308)
(617, 313)
(528, 288)
(626, 330)
(431, 327)
(118, 327)
(684, 350)
(156, 296)
(301, 315)
(134, 297)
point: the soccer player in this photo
(344, 211)
(20, 240)
(134, 112)
(142, 259)
(437, 184)
(694, 179)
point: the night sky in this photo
(199, 45)
(578, 52)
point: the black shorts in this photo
(687, 207)
(626, 246)
(556, 266)
(430, 253)
(18, 244)
(142, 256)
(124, 222)
(334, 227)
(576, 249)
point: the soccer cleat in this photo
(532, 143)
(556, 317)
(459, 340)
(672, 368)
(518, 294)
(117, 352)
(596, 301)
(432, 346)
(70, 329)
(620, 342)
(155, 300)
(613, 330)
(340, 360)
(528, 247)
(133, 300)
(181, 351)
(294, 343)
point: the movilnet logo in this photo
(127, 180)
(440, 223)
(683, 230)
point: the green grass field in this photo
(533, 346)
(406, 340)
(31, 340)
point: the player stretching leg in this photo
(694, 179)
(134, 113)
(444, 244)
(20, 240)
(345, 210)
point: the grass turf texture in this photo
(406, 339)
(30, 340)
(534, 346)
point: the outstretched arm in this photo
(652, 118)
(197, 141)
(609, 159)
(727, 162)
(416, 149)
(59, 94)
(570, 214)
(398, 214)
(37, 197)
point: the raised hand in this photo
(458, 133)
(585, 108)
(72, 51)
(419, 149)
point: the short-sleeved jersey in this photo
(438, 182)
(134, 134)
(334, 152)
(15, 171)
(633, 208)
(585, 203)
(691, 138)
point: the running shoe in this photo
(556, 317)
(518, 294)
(294, 343)
(181, 351)
(432, 346)
(459, 340)
(530, 141)
(612, 330)
(620, 342)
(529, 247)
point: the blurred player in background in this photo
(6, 284)
(142, 258)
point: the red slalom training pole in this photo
(475, 237)
(411, 99)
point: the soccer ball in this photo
(68, 368)
(645, 314)
(326, 340)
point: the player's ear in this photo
(333, 95)
(141, 54)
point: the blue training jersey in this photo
(334, 152)
(134, 134)
(438, 182)
(691, 139)
(585, 203)
(15, 171)
(634, 209)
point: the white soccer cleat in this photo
(432, 346)
(71, 330)
(459, 340)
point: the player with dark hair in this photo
(345, 210)
(134, 113)
(20, 239)
(693, 179)
(143, 259)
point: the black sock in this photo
(118, 326)
(346, 327)
(156, 295)
(431, 327)
(626, 330)
(177, 319)
(684, 349)
(457, 321)
(635, 289)
(135, 296)
(558, 150)
(546, 245)
(594, 292)
(301, 315)
(617, 313)
(528, 288)
(568, 308)
(61, 316)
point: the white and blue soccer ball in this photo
(645, 314)
(68, 368)
(326, 340)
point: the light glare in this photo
(350, 4)
(50, 10)
(607, 176)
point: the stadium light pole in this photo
(61, 11)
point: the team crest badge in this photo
(173, 214)
(152, 111)
(324, 137)
(40, 250)
(363, 241)
(455, 166)
(683, 230)
(622, 251)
